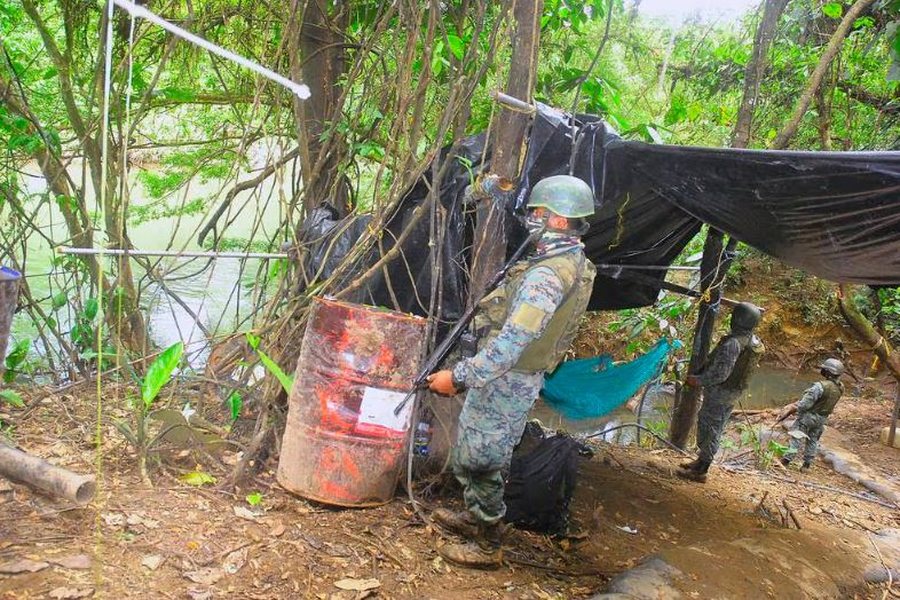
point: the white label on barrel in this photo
(377, 408)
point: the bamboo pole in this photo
(174, 253)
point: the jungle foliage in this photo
(200, 148)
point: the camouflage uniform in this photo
(723, 380)
(500, 394)
(813, 410)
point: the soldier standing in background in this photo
(528, 321)
(724, 378)
(813, 410)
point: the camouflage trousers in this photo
(717, 406)
(813, 426)
(490, 425)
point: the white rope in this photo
(175, 253)
(300, 89)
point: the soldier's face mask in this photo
(536, 220)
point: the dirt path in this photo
(176, 541)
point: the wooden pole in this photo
(38, 473)
(713, 267)
(508, 144)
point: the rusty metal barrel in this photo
(342, 443)
(9, 296)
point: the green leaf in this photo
(197, 478)
(159, 373)
(457, 47)
(287, 382)
(90, 309)
(15, 358)
(60, 300)
(13, 398)
(254, 499)
(178, 94)
(235, 404)
(833, 9)
(253, 340)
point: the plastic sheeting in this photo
(835, 215)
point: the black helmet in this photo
(832, 366)
(745, 316)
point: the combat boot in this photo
(460, 522)
(805, 466)
(692, 475)
(785, 461)
(690, 466)
(697, 473)
(483, 552)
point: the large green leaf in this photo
(457, 46)
(159, 373)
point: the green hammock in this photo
(592, 387)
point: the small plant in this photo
(16, 360)
(287, 382)
(159, 374)
(254, 499)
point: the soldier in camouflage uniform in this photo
(723, 378)
(529, 321)
(813, 410)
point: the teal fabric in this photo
(592, 387)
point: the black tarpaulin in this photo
(834, 215)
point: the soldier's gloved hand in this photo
(442, 383)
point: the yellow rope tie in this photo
(620, 223)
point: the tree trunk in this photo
(508, 137)
(765, 33)
(831, 50)
(713, 268)
(866, 332)
(318, 60)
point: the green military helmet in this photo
(745, 316)
(833, 366)
(565, 195)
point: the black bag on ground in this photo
(541, 481)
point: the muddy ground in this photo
(179, 541)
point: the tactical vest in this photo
(751, 351)
(831, 393)
(576, 273)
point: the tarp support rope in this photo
(299, 89)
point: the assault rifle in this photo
(443, 349)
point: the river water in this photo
(221, 295)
